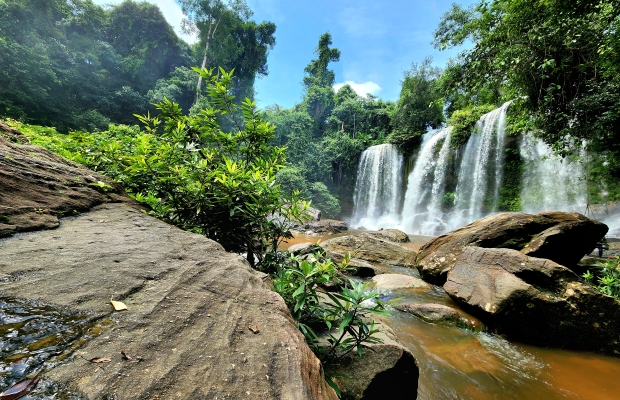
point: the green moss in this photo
(4, 219)
(463, 122)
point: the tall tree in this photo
(204, 17)
(318, 82)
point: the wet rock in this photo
(37, 186)
(562, 237)
(372, 249)
(190, 308)
(325, 226)
(398, 281)
(534, 300)
(385, 371)
(300, 249)
(435, 313)
(392, 235)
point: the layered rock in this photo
(436, 314)
(325, 226)
(534, 300)
(370, 248)
(204, 322)
(37, 186)
(200, 322)
(562, 237)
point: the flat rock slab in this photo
(37, 186)
(558, 236)
(392, 235)
(398, 281)
(372, 249)
(190, 309)
(534, 300)
(439, 314)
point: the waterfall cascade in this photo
(450, 187)
(378, 188)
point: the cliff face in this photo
(202, 323)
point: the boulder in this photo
(534, 300)
(386, 370)
(559, 236)
(392, 235)
(301, 249)
(37, 186)
(398, 281)
(430, 312)
(326, 226)
(372, 249)
(203, 322)
(363, 269)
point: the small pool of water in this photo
(35, 337)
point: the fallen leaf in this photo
(118, 306)
(125, 356)
(100, 360)
(254, 330)
(20, 389)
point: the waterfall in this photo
(550, 182)
(448, 187)
(425, 185)
(377, 195)
(481, 165)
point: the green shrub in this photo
(324, 200)
(608, 279)
(194, 174)
(343, 314)
(463, 122)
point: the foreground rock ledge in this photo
(190, 305)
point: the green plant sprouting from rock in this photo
(607, 281)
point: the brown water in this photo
(460, 363)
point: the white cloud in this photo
(171, 10)
(361, 89)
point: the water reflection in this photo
(35, 337)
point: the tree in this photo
(317, 73)
(557, 59)
(204, 17)
(419, 107)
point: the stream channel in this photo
(457, 363)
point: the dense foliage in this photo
(192, 173)
(607, 279)
(559, 60)
(343, 314)
(75, 65)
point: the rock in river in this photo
(534, 300)
(559, 236)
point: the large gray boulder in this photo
(534, 300)
(370, 248)
(559, 236)
(203, 323)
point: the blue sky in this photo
(378, 40)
